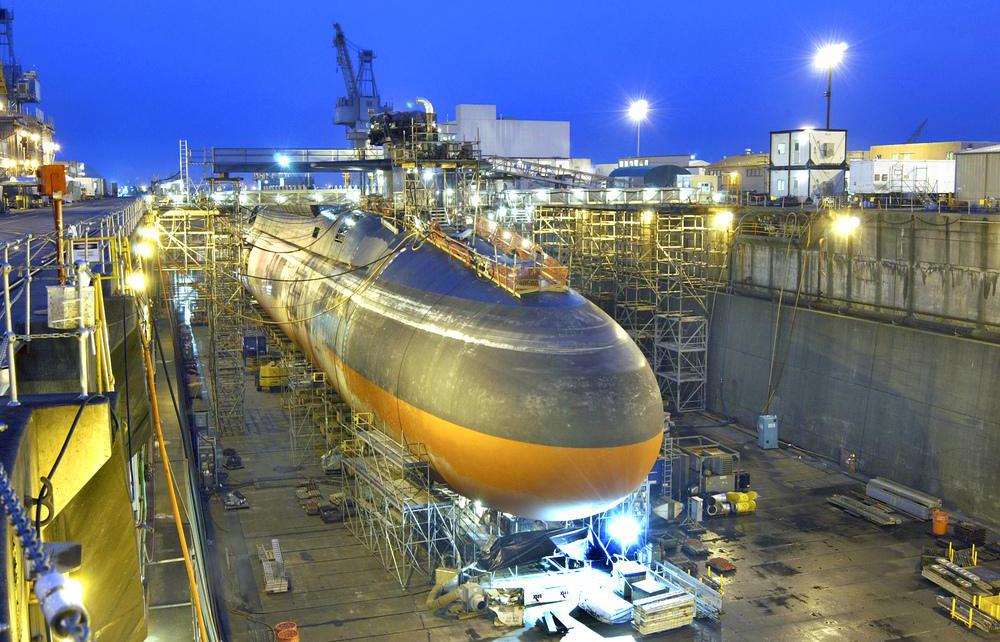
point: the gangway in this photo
(542, 172)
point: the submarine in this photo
(538, 405)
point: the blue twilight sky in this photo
(125, 80)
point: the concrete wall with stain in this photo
(916, 406)
(913, 267)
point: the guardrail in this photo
(98, 249)
(517, 265)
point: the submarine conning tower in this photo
(532, 401)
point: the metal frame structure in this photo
(203, 251)
(651, 268)
(396, 514)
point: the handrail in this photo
(536, 272)
(112, 230)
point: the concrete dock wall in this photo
(916, 406)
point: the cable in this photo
(46, 481)
(365, 283)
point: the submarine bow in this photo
(540, 405)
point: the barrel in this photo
(288, 635)
(939, 523)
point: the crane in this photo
(354, 110)
(916, 133)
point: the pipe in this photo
(57, 216)
(82, 333)
(426, 104)
(188, 566)
(11, 338)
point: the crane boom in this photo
(362, 101)
(344, 60)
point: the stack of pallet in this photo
(275, 579)
(663, 612)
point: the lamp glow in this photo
(624, 530)
(282, 160)
(722, 220)
(143, 249)
(830, 56)
(136, 281)
(638, 110)
(845, 226)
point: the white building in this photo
(882, 176)
(808, 163)
(509, 137)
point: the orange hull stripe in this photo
(526, 479)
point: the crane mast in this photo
(354, 110)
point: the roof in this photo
(741, 160)
(651, 175)
(989, 149)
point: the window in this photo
(781, 148)
(781, 184)
(826, 150)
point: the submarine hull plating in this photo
(540, 406)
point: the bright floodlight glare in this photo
(136, 281)
(428, 175)
(638, 110)
(722, 220)
(143, 249)
(282, 160)
(845, 225)
(829, 56)
(624, 530)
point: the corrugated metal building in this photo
(977, 175)
(941, 150)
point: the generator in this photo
(703, 466)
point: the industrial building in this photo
(940, 150)
(807, 164)
(509, 137)
(977, 175)
(482, 390)
(742, 173)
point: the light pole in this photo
(828, 57)
(637, 112)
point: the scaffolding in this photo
(396, 514)
(227, 310)
(651, 269)
(201, 254)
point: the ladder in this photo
(185, 175)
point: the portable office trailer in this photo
(883, 176)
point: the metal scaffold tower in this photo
(202, 255)
(227, 311)
(397, 515)
(651, 269)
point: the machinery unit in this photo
(767, 431)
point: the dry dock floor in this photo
(806, 570)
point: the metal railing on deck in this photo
(518, 265)
(97, 249)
